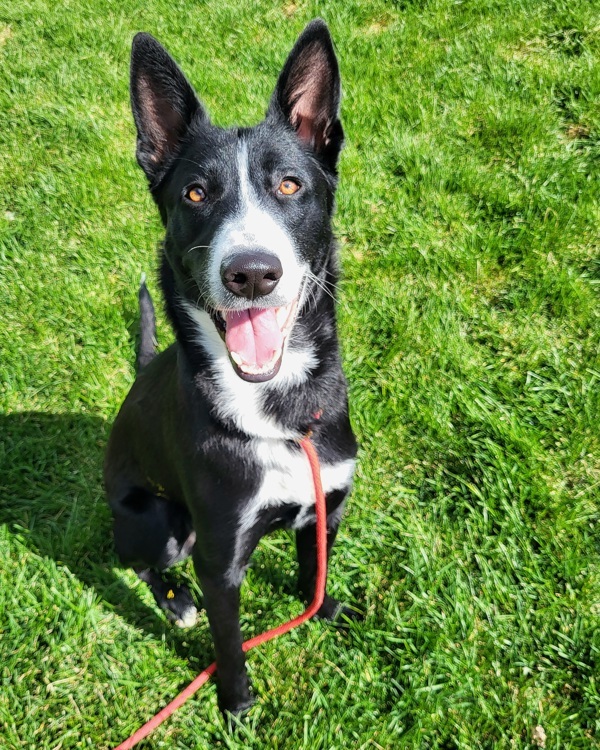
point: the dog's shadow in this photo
(52, 497)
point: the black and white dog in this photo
(204, 458)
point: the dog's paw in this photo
(341, 615)
(237, 706)
(188, 619)
(179, 606)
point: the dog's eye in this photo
(288, 187)
(195, 194)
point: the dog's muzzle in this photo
(255, 336)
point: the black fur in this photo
(183, 472)
(147, 347)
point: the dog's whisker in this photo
(321, 284)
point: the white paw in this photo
(188, 619)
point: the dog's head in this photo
(247, 210)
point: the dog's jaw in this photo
(238, 401)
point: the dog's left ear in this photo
(308, 92)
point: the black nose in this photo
(251, 275)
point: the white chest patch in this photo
(287, 480)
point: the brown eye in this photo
(288, 187)
(195, 194)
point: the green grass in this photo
(468, 218)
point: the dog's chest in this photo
(286, 479)
(285, 482)
(286, 476)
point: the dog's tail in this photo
(147, 348)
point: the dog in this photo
(204, 455)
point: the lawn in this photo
(468, 219)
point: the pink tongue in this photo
(254, 335)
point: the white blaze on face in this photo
(253, 227)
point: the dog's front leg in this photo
(222, 602)
(306, 551)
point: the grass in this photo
(468, 219)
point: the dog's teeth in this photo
(286, 316)
(281, 316)
(254, 370)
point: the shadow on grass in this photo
(52, 496)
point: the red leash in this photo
(311, 610)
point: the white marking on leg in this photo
(188, 618)
(337, 476)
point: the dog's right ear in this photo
(308, 93)
(163, 103)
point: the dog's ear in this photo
(308, 92)
(163, 103)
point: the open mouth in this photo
(255, 339)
